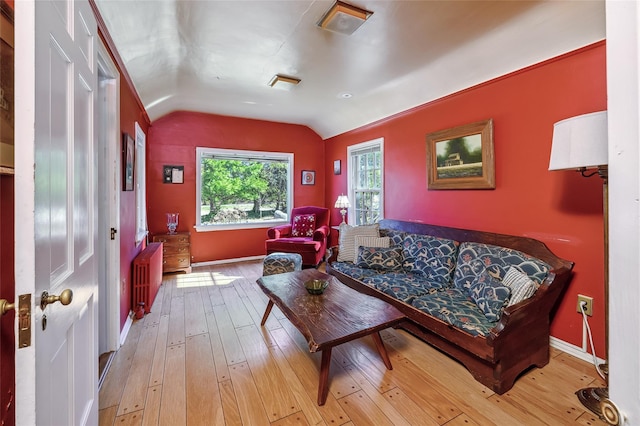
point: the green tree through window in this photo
(240, 187)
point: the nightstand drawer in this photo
(176, 262)
(176, 251)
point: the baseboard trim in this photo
(126, 328)
(222, 261)
(572, 350)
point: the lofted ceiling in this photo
(219, 56)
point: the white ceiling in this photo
(219, 56)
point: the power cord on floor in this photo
(583, 306)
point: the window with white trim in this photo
(242, 189)
(141, 184)
(366, 182)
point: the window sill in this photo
(141, 236)
(238, 226)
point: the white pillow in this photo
(368, 241)
(522, 287)
(347, 249)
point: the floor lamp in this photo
(580, 143)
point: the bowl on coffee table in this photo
(316, 286)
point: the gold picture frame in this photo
(461, 157)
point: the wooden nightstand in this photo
(176, 251)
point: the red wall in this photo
(131, 112)
(560, 208)
(7, 291)
(173, 139)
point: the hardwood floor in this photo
(201, 358)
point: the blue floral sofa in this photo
(485, 299)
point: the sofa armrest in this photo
(333, 254)
(321, 233)
(532, 313)
(281, 231)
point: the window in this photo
(366, 182)
(242, 189)
(141, 185)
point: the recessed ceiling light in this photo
(344, 18)
(280, 81)
(345, 95)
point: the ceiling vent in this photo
(280, 81)
(344, 18)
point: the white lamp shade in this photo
(579, 142)
(342, 202)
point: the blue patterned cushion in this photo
(475, 258)
(354, 271)
(454, 307)
(279, 263)
(490, 295)
(431, 256)
(380, 258)
(404, 286)
(396, 237)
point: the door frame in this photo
(109, 290)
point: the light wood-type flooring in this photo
(201, 358)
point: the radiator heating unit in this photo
(147, 276)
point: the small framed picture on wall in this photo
(308, 177)
(337, 167)
(128, 152)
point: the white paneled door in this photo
(56, 210)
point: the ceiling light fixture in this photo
(344, 18)
(280, 81)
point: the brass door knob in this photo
(65, 298)
(5, 306)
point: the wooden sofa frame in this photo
(521, 337)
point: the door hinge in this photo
(113, 233)
(24, 321)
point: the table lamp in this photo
(342, 203)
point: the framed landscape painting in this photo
(461, 157)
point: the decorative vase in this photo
(172, 222)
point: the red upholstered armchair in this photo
(306, 234)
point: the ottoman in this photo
(279, 263)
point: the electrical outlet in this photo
(589, 301)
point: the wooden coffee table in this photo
(339, 315)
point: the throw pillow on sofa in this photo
(303, 225)
(490, 295)
(380, 258)
(368, 241)
(347, 251)
(433, 257)
(522, 287)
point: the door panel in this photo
(62, 222)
